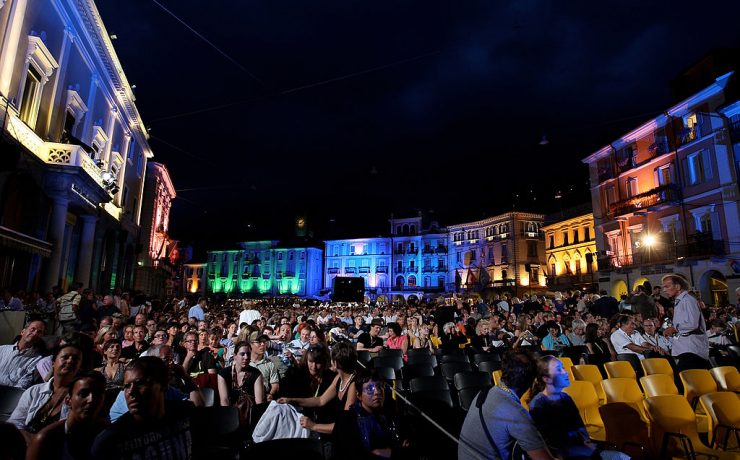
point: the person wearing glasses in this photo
(364, 431)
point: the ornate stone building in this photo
(571, 255)
(74, 150)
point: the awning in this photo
(12, 239)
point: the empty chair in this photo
(697, 382)
(428, 383)
(450, 369)
(497, 376)
(426, 359)
(590, 373)
(454, 358)
(634, 361)
(624, 390)
(727, 378)
(723, 409)
(656, 366)
(387, 373)
(481, 357)
(412, 371)
(391, 352)
(658, 385)
(426, 397)
(310, 449)
(674, 423)
(216, 430)
(9, 397)
(419, 351)
(469, 383)
(364, 356)
(489, 366)
(584, 396)
(396, 362)
(626, 428)
(619, 369)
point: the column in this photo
(87, 241)
(86, 137)
(56, 238)
(10, 45)
(106, 155)
(57, 94)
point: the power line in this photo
(219, 50)
(299, 88)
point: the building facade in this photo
(665, 198)
(194, 279)
(419, 255)
(74, 150)
(504, 252)
(264, 268)
(368, 258)
(571, 255)
(154, 267)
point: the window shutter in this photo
(706, 160)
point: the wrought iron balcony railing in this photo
(660, 195)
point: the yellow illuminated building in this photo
(570, 250)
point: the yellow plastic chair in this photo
(622, 390)
(590, 373)
(568, 366)
(656, 366)
(627, 428)
(658, 385)
(727, 378)
(674, 429)
(723, 409)
(497, 376)
(620, 369)
(584, 396)
(697, 382)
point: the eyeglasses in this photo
(371, 388)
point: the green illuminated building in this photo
(261, 267)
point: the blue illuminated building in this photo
(368, 258)
(264, 268)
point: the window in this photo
(504, 274)
(531, 249)
(705, 224)
(280, 256)
(31, 97)
(631, 187)
(458, 257)
(290, 256)
(699, 167)
(504, 254)
(552, 270)
(565, 238)
(586, 234)
(352, 249)
(535, 276)
(578, 266)
(124, 196)
(400, 266)
(575, 235)
(663, 175)
(610, 196)
(552, 241)
(69, 125)
(140, 164)
(490, 253)
(690, 128)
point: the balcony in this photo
(699, 247)
(628, 162)
(441, 249)
(533, 235)
(53, 153)
(332, 270)
(350, 270)
(427, 250)
(411, 269)
(364, 270)
(660, 195)
(381, 269)
(399, 251)
(687, 135)
(428, 269)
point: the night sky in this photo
(347, 111)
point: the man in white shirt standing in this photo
(198, 310)
(689, 330)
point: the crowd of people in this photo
(110, 376)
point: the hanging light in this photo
(544, 140)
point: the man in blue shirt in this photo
(198, 310)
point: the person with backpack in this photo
(68, 306)
(483, 434)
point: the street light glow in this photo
(649, 241)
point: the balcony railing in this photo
(381, 269)
(698, 247)
(364, 270)
(350, 270)
(333, 270)
(686, 135)
(411, 269)
(53, 153)
(533, 235)
(659, 195)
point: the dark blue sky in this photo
(448, 121)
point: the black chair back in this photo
(429, 360)
(450, 369)
(429, 383)
(467, 379)
(396, 362)
(481, 357)
(418, 351)
(391, 352)
(9, 397)
(489, 366)
(454, 358)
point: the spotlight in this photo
(649, 241)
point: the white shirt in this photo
(31, 401)
(249, 316)
(620, 340)
(18, 368)
(687, 317)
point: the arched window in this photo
(412, 281)
(399, 282)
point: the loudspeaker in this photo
(348, 289)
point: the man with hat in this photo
(370, 340)
(258, 360)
